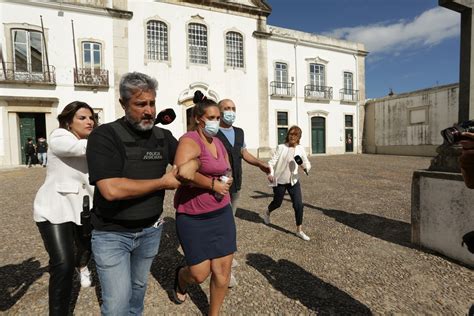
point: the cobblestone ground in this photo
(359, 259)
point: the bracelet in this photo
(212, 184)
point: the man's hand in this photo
(270, 178)
(467, 159)
(187, 171)
(169, 180)
(265, 168)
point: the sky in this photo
(412, 44)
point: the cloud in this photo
(428, 29)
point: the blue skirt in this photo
(206, 236)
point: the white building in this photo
(277, 77)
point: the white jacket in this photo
(277, 162)
(59, 200)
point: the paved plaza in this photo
(359, 259)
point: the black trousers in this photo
(67, 249)
(296, 198)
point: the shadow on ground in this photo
(165, 263)
(16, 279)
(298, 284)
(390, 230)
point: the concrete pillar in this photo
(264, 150)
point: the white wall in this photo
(176, 76)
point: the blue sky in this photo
(413, 44)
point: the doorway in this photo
(318, 135)
(32, 125)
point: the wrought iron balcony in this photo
(348, 95)
(281, 89)
(313, 92)
(88, 77)
(27, 73)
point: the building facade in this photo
(57, 52)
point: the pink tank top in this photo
(193, 200)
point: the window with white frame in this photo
(91, 55)
(282, 126)
(27, 51)
(234, 50)
(281, 72)
(157, 40)
(197, 41)
(348, 83)
(317, 75)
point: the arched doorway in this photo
(318, 135)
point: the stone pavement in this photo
(359, 259)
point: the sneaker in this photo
(266, 217)
(85, 276)
(303, 236)
(234, 263)
(233, 281)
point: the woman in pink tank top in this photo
(204, 221)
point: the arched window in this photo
(157, 40)
(197, 43)
(234, 50)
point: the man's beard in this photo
(140, 125)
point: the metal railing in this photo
(318, 92)
(91, 77)
(349, 95)
(24, 73)
(279, 88)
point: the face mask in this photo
(211, 128)
(228, 117)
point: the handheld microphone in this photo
(299, 161)
(165, 116)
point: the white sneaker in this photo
(233, 281)
(303, 236)
(234, 263)
(85, 276)
(266, 217)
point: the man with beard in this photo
(127, 163)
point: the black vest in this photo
(140, 163)
(235, 156)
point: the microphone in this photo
(165, 116)
(299, 161)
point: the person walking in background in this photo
(30, 151)
(58, 204)
(234, 142)
(204, 222)
(42, 148)
(284, 177)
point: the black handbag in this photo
(468, 239)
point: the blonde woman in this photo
(284, 177)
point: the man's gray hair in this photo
(133, 81)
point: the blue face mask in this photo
(211, 128)
(228, 117)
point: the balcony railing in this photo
(314, 92)
(349, 95)
(27, 73)
(281, 89)
(91, 77)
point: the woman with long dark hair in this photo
(204, 220)
(58, 204)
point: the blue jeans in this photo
(43, 158)
(123, 263)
